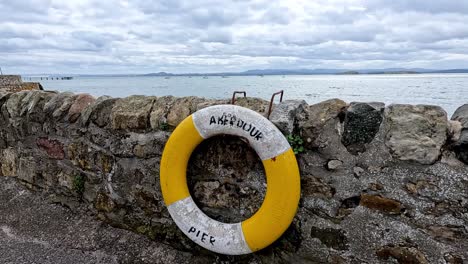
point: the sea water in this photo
(446, 90)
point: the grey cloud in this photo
(212, 35)
(9, 32)
(432, 6)
(97, 39)
(218, 36)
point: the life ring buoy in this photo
(282, 176)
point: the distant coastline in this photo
(314, 72)
(270, 72)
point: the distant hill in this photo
(158, 74)
(349, 73)
(261, 72)
(395, 72)
(450, 71)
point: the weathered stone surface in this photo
(255, 104)
(287, 114)
(181, 108)
(13, 83)
(358, 171)
(372, 208)
(461, 143)
(56, 102)
(158, 118)
(92, 107)
(64, 103)
(9, 160)
(27, 170)
(461, 115)
(132, 112)
(81, 102)
(13, 105)
(416, 133)
(316, 187)
(37, 229)
(404, 255)
(316, 118)
(380, 203)
(101, 111)
(361, 124)
(54, 148)
(454, 130)
(334, 164)
(33, 103)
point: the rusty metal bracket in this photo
(271, 101)
(233, 101)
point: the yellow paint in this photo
(280, 204)
(174, 161)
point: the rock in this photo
(461, 115)
(88, 110)
(361, 124)
(404, 255)
(81, 102)
(286, 115)
(27, 169)
(461, 144)
(461, 147)
(316, 117)
(375, 186)
(54, 148)
(101, 111)
(3, 97)
(358, 171)
(446, 232)
(416, 133)
(453, 258)
(380, 203)
(56, 101)
(315, 187)
(8, 164)
(104, 203)
(181, 108)
(33, 103)
(256, 104)
(13, 105)
(132, 112)
(3, 113)
(158, 118)
(334, 164)
(66, 103)
(454, 130)
(332, 238)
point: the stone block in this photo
(9, 162)
(132, 112)
(416, 132)
(361, 124)
(317, 116)
(81, 102)
(287, 114)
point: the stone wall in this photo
(379, 184)
(13, 83)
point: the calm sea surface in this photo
(447, 90)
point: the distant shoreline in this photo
(262, 73)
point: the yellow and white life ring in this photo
(282, 177)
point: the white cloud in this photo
(137, 36)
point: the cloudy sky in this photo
(137, 36)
